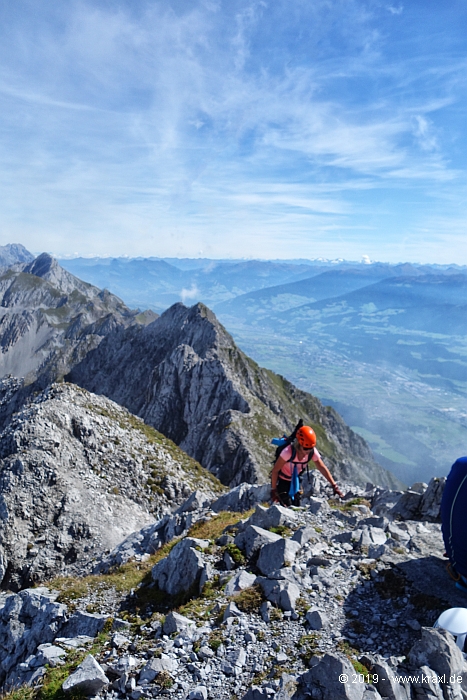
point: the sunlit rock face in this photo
(184, 375)
(78, 473)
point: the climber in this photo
(292, 462)
(454, 522)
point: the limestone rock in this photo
(83, 623)
(324, 679)
(407, 506)
(273, 516)
(182, 568)
(276, 555)
(156, 666)
(239, 582)
(253, 538)
(76, 477)
(284, 594)
(303, 535)
(438, 650)
(27, 619)
(174, 622)
(88, 678)
(431, 500)
(316, 619)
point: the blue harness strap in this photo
(294, 482)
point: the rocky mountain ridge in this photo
(316, 602)
(77, 474)
(184, 375)
(50, 319)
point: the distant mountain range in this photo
(384, 344)
(182, 373)
(157, 284)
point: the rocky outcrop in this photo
(77, 475)
(419, 502)
(332, 623)
(50, 319)
(184, 375)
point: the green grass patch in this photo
(236, 554)
(250, 599)
(281, 530)
(348, 505)
(308, 646)
(213, 528)
(122, 579)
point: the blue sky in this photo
(235, 128)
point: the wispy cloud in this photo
(200, 124)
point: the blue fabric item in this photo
(453, 516)
(462, 584)
(294, 483)
(279, 441)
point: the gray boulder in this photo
(156, 666)
(384, 500)
(419, 487)
(283, 593)
(83, 624)
(322, 681)
(437, 649)
(174, 622)
(318, 505)
(431, 500)
(27, 619)
(88, 679)
(425, 689)
(376, 551)
(398, 533)
(317, 619)
(48, 654)
(253, 538)
(274, 556)
(387, 685)
(242, 497)
(231, 611)
(372, 536)
(303, 535)
(239, 582)
(272, 517)
(182, 568)
(257, 693)
(197, 501)
(407, 506)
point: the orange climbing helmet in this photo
(306, 437)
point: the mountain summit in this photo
(49, 319)
(184, 375)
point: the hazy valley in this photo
(386, 345)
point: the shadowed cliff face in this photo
(184, 375)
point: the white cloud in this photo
(174, 123)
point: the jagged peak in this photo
(46, 267)
(42, 265)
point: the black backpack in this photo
(286, 440)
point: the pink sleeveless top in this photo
(287, 469)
